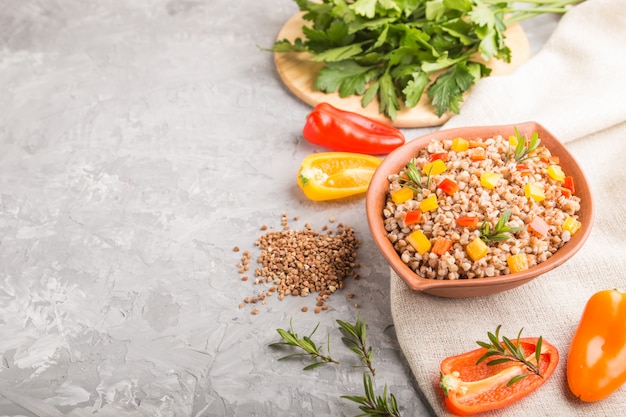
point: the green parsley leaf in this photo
(340, 53)
(389, 103)
(447, 91)
(365, 8)
(346, 77)
(382, 49)
(415, 88)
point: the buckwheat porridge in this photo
(479, 208)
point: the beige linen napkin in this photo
(576, 87)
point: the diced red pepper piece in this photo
(565, 192)
(467, 221)
(413, 217)
(441, 246)
(539, 226)
(523, 169)
(448, 186)
(568, 183)
(440, 155)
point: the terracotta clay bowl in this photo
(395, 161)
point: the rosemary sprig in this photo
(525, 147)
(500, 232)
(413, 178)
(509, 351)
(357, 342)
(372, 405)
(306, 344)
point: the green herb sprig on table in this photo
(505, 350)
(307, 345)
(373, 405)
(356, 340)
(370, 404)
(397, 50)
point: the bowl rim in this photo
(397, 159)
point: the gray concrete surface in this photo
(140, 141)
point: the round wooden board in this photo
(298, 73)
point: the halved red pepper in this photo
(346, 131)
(471, 388)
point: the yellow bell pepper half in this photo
(332, 175)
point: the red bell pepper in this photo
(472, 386)
(439, 155)
(523, 169)
(467, 221)
(448, 186)
(413, 217)
(569, 184)
(345, 131)
(566, 192)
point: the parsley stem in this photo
(519, 14)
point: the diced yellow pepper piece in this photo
(419, 241)
(513, 140)
(556, 173)
(401, 195)
(477, 249)
(517, 262)
(489, 180)
(534, 191)
(429, 203)
(460, 145)
(434, 168)
(571, 225)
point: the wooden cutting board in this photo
(298, 73)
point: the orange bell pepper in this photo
(467, 221)
(441, 246)
(472, 387)
(596, 362)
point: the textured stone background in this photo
(140, 141)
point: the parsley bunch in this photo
(397, 50)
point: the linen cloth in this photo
(576, 87)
